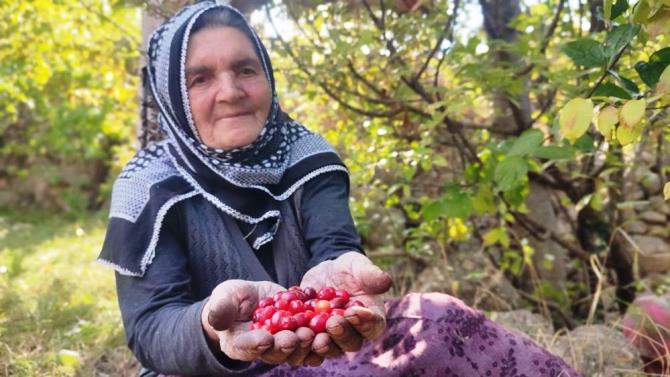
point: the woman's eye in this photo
(197, 80)
(248, 71)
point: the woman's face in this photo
(229, 94)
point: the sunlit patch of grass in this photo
(58, 308)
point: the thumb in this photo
(373, 279)
(230, 301)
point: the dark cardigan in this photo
(199, 247)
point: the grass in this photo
(58, 309)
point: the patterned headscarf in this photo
(246, 183)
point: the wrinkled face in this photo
(229, 94)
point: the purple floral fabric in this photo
(434, 334)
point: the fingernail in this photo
(354, 320)
(336, 330)
(287, 350)
(262, 347)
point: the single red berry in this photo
(354, 303)
(318, 323)
(278, 318)
(309, 304)
(342, 293)
(282, 304)
(338, 303)
(296, 306)
(310, 292)
(339, 312)
(310, 314)
(268, 301)
(326, 293)
(277, 296)
(322, 306)
(289, 296)
(301, 319)
(288, 323)
(264, 313)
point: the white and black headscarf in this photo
(246, 183)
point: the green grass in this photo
(58, 308)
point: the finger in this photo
(305, 338)
(368, 322)
(324, 346)
(373, 280)
(343, 334)
(313, 360)
(230, 301)
(285, 342)
(246, 346)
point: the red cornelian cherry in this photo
(326, 293)
(318, 323)
(322, 306)
(339, 312)
(301, 307)
(342, 294)
(338, 303)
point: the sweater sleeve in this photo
(328, 227)
(161, 317)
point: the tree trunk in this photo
(514, 110)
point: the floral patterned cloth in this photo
(434, 334)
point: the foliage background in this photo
(459, 139)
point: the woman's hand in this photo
(356, 274)
(226, 317)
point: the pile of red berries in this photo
(301, 307)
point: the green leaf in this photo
(433, 210)
(627, 83)
(585, 143)
(611, 90)
(510, 172)
(554, 152)
(457, 204)
(529, 141)
(661, 56)
(586, 52)
(619, 38)
(483, 201)
(650, 71)
(607, 9)
(496, 235)
(619, 7)
(454, 204)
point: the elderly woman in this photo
(240, 201)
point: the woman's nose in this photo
(228, 89)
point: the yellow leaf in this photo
(575, 117)
(627, 135)
(666, 191)
(630, 121)
(663, 85)
(658, 24)
(632, 112)
(606, 120)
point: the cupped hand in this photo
(226, 317)
(364, 281)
